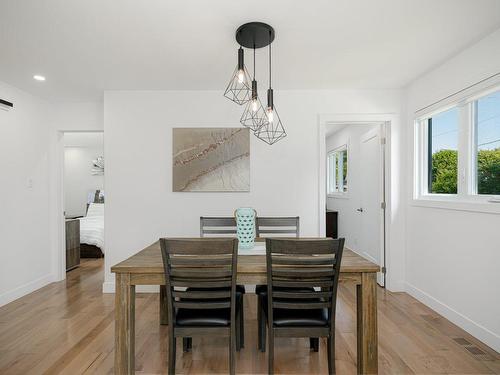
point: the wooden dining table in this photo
(146, 268)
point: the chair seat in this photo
(300, 318)
(297, 317)
(203, 317)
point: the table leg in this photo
(366, 296)
(124, 325)
(163, 305)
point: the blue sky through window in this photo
(488, 122)
(445, 130)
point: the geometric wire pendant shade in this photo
(254, 116)
(265, 122)
(272, 130)
(239, 90)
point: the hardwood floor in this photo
(68, 328)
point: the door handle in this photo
(359, 209)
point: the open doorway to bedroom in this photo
(83, 187)
(355, 188)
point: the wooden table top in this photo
(149, 261)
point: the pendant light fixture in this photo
(272, 131)
(265, 123)
(238, 90)
(254, 116)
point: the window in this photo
(337, 170)
(458, 150)
(487, 144)
(442, 148)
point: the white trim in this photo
(389, 120)
(59, 263)
(467, 95)
(466, 198)
(456, 204)
(475, 329)
(339, 182)
(338, 195)
(25, 289)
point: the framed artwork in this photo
(210, 159)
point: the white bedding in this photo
(92, 226)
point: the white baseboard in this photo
(109, 287)
(25, 289)
(477, 330)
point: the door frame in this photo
(60, 261)
(379, 131)
(359, 119)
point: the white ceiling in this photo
(85, 47)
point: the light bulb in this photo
(255, 105)
(270, 114)
(241, 76)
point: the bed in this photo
(92, 232)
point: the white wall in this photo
(346, 205)
(25, 254)
(453, 257)
(78, 178)
(138, 126)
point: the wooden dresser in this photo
(332, 224)
(72, 243)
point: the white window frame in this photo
(466, 197)
(339, 178)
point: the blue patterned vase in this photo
(245, 227)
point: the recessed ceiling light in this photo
(38, 77)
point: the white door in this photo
(370, 210)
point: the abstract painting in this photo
(211, 159)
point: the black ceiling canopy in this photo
(255, 35)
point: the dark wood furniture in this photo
(332, 220)
(72, 244)
(294, 266)
(90, 251)
(146, 268)
(207, 268)
(271, 226)
(216, 226)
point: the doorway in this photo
(83, 197)
(355, 187)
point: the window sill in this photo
(458, 204)
(338, 195)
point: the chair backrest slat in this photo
(308, 268)
(271, 226)
(202, 305)
(200, 264)
(301, 305)
(217, 226)
(201, 294)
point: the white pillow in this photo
(95, 209)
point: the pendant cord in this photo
(254, 63)
(270, 65)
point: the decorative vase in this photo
(245, 227)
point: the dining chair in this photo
(293, 311)
(273, 226)
(216, 227)
(267, 227)
(200, 264)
